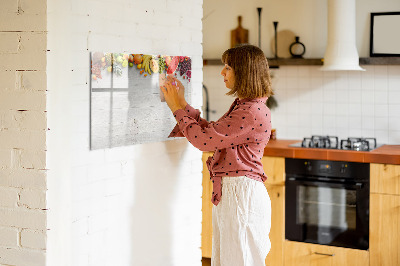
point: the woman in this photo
(242, 209)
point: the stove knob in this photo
(308, 166)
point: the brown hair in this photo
(250, 66)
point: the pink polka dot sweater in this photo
(238, 139)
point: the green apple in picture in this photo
(161, 80)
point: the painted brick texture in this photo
(116, 206)
(9, 237)
(102, 182)
(33, 239)
(23, 218)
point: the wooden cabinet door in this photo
(304, 254)
(384, 237)
(274, 168)
(206, 226)
(385, 178)
(277, 233)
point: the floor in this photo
(206, 261)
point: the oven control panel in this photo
(325, 167)
(337, 169)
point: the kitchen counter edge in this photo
(385, 154)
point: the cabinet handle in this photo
(324, 254)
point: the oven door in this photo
(327, 213)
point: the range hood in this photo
(341, 51)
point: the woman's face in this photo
(229, 76)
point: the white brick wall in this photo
(23, 132)
(133, 205)
(11, 256)
(8, 197)
(33, 239)
(98, 182)
(9, 237)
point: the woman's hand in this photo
(181, 90)
(171, 94)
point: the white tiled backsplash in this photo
(339, 103)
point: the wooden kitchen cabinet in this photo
(206, 225)
(384, 237)
(274, 168)
(385, 178)
(277, 233)
(305, 254)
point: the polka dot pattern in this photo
(238, 139)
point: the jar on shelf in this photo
(297, 49)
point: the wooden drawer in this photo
(304, 254)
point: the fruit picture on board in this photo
(145, 64)
(127, 104)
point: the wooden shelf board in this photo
(380, 61)
(295, 61)
(275, 62)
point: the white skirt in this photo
(241, 223)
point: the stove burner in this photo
(332, 142)
(358, 144)
(328, 142)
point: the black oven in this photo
(327, 202)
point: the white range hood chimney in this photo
(341, 51)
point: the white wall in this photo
(134, 205)
(306, 19)
(311, 102)
(23, 133)
(343, 104)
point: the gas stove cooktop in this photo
(332, 142)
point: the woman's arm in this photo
(178, 101)
(239, 127)
(194, 113)
(234, 129)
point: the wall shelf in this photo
(274, 63)
(380, 61)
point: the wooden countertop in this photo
(389, 154)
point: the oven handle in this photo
(357, 185)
